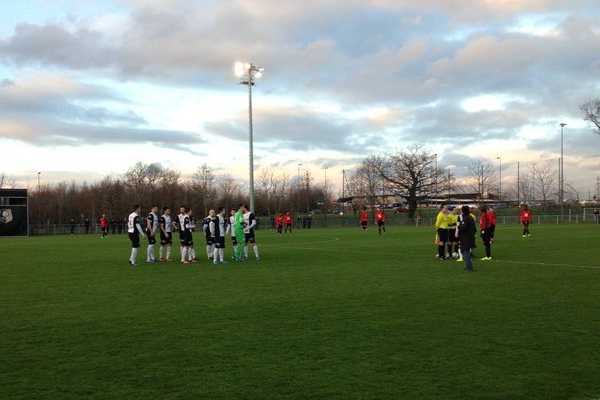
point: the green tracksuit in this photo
(238, 229)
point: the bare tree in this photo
(367, 179)
(411, 174)
(591, 112)
(544, 177)
(6, 182)
(481, 178)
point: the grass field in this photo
(325, 314)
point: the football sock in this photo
(149, 252)
(488, 250)
(246, 251)
(221, 255)
(183, 253)
(215, 255)
(168, 251)
(255, 247)
(456, 249)
(191, 253)
(161, 252)
(208, 251)
(134, 252)
(441, 251)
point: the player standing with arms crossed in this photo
(217, 232)
(485, 225)
(151, 228)
(134, 229)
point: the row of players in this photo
(215, 227)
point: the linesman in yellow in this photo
(452, 239)
(441, 227)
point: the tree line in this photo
(153, 184)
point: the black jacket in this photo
(466, 232)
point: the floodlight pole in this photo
(500, 182)
(562, 171)
(250, 73)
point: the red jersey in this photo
(288, 219)
(486, 221)
(493, 218)
(279, 220)
(525, 216)
(380, 216)
(364, 216)
(103, 222)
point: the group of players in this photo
(456, 232)
(379, 220)
(240, 225)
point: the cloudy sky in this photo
(88, 88)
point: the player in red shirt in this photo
(104, 226)
(364, 219)
(288, 221)
(279, 223)
(380, 220)
(525, 218)
(485, 224)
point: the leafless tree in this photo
(411, 174)
(591, 112)
(544, 177)
(6, 182)
(367, 180)
(481, 177)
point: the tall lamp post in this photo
(561, 171)
(247, 74)
(436, 178)
(500, 182)
(299, 186)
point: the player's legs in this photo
(487, 245)
(468, 261)
(442, 233)
(135, 244)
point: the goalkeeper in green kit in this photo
(238, 230)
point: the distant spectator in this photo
(72, 223)
(86, 223)
(597, 216)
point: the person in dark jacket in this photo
(467, 229)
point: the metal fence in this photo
(324, 221)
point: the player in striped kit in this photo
(249, 225)
(151, 228)
(185, 235)
(217, 228)
(134, 229)
(210, 245)
(166, 234)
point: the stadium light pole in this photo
(299, 179)
(39, 173)
(562, 170)
(247, 74)
(500, 179)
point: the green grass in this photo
(326, 314)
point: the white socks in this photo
(246, 251)
(216, 254)
(255, 247)
(134, 252)
(192, 253)
(161, 251)
(208, 251)
(150, 252)
(168, 252)
(222, 254)
(183, 253)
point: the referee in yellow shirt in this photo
(441, 227)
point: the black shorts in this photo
(442, 235)
(279, 228)
(135, 240)
(151, 239)
(209, 240)
(526, 223)
(363, 224)
(166, 240)
(288, 225)
(249, 237)
(220, 242)
(380, 223)
(186, 239)
(452, 235)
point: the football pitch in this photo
(325, 314)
